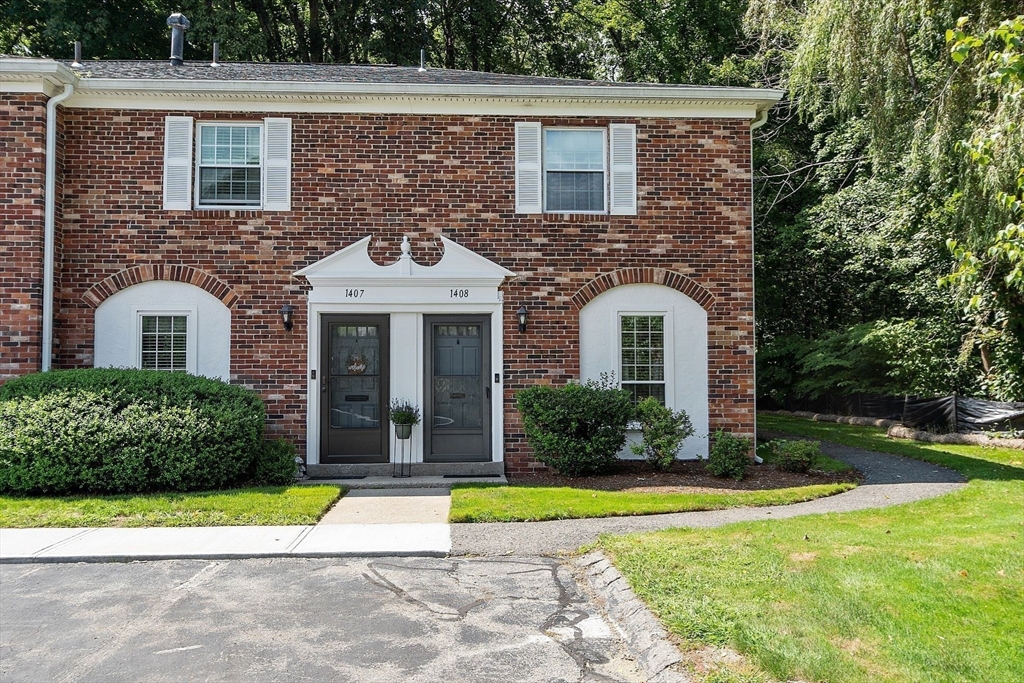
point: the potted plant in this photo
(404, 414)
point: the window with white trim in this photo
(229, 166)
(234, 164)
(575, 170)
(642, 356)
(164, 342)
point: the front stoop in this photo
(424, 475)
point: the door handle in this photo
(488, 390)
(323, 383)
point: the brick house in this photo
(339, 236)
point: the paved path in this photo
(391, 506)
(888, 480)
(398, 619)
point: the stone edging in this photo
(645, 637)
(895, 430)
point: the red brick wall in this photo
(355, 175)
(22, 171)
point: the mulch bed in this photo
(687, 476)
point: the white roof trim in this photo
(623, 100)
(353, 266)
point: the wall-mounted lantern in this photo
(286, 316)
(522, 318)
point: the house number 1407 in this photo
(460, 293)
(354, 293)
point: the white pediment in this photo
(353, 263)
(350, 275)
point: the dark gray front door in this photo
(457, 415)
(354, 388)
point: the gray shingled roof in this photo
(320, 73)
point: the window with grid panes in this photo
(164, 342)
(574, 170)
(643, 356)
(230, 165)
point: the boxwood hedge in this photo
(123, 431)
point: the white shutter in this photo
(528, 168)
(623, 168)
(277, 164)
(178, 163)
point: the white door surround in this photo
(461, 283)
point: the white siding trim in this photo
(622, 177)
(178, 163)
(528, 168)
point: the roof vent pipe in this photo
(77, 64)
(423, 60)
(179, 24)
(216, 55)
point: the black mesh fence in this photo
(945, 414)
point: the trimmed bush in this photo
(729, 456)
(577, 429)
(663, 432)
(274, 464)
(125, 431)
(794, 455)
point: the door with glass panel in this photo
(354, 388)
(457, 409)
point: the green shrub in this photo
(793, 455)
(274, 464)
(121, 431)
(663, 432)
(579, 428)
(729, 457)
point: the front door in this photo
(457, 415)
(354, 357)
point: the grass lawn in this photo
(491, 503)
(928, 591)
(268, 506)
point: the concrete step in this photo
(414, 482)
(419, 469)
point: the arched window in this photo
(164, 325)
(654, 340)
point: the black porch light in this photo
(286, 316)
(522, 318)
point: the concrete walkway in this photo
(411, 522)
(391, 506)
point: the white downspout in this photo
(49, 212)
(759, 120)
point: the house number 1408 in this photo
(460, 293)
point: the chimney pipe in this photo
(216, 54)
(77, 64)
(423, 60)
(179, 24)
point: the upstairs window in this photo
(227, 164)
(574, 170)
(643, 356)
(230, 165)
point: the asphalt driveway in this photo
(413, 619)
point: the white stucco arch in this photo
(686, 349)
(209, 326)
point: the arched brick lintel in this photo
(651, 276)
(109, 286)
